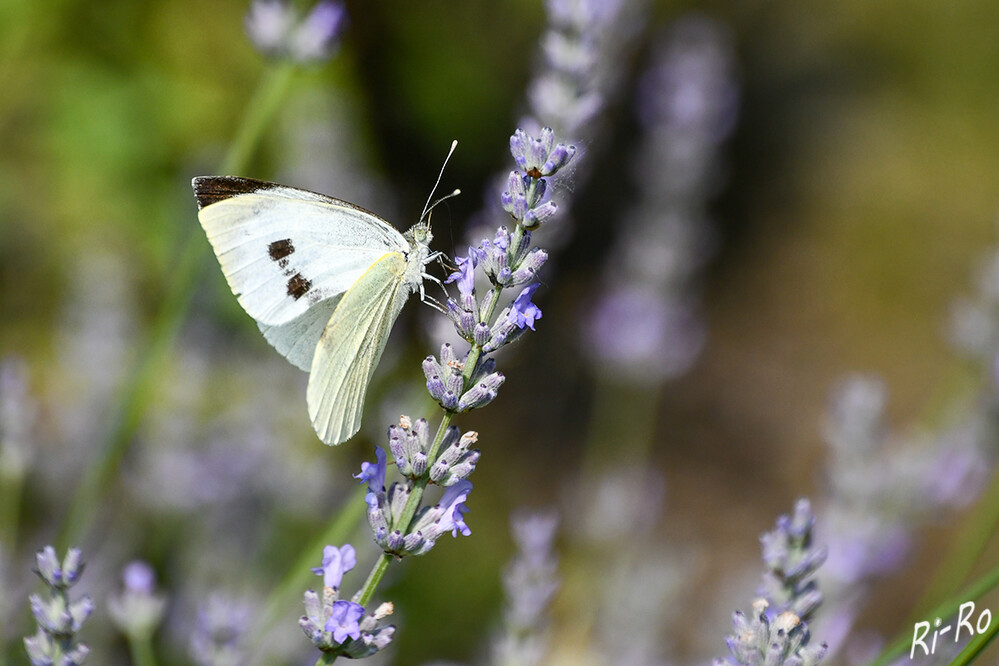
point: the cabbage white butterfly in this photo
(324, 279)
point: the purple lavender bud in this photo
(449, 402)
(536, 216)
(419, 464)
(503, 276)
(463, 468)
(529, 267)
(395, 541)
(517, 207)
(414, 542)
(397, 446)
(523, 312)
(398, 494)
(439, 469)
(336, 562)
(487, 300)
(453, 381)
(436, 388)
(59, 576)
(558, 158)
(381, 536)
(377, 518)
(503, 331)
(482, 393)
(520, 144)
(481, 336)
(466, 324)
(431, 368)
(343, 620)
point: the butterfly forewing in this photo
(283, 250)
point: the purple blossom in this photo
(523, 312)
(374, 473)
(452, 502)
(138, 576)
(276, 29)
(344, 620)
(315, 38)
(336, 562)
(465, 275)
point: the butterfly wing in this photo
(285, 250)
(297, 339)
(351, 345)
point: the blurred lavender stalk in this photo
(582, 54)
(776, 631)
(137, 611)
(882, 488)
(529, 582)
(645, 326)
(58, 618)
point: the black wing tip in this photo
(212, 189)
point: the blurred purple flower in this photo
(138, 576)
(635, 330)
(276, 29)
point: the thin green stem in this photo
(138, 390)
(141, 649)
(977, 645)
(325, 658)
(972, 592)
(374, 578)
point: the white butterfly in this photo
(323, 278)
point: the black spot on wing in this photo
(212, 189)
(280, 249)
(298, 286)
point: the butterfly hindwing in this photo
(350, 347)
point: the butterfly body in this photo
(324, 280)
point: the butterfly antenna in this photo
(427, 207)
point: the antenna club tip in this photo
(454, 144)
(456, 192)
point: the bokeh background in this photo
(852, 203)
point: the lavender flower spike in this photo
(277, 30)
(58, 618)
(336, 562)
(137, 611)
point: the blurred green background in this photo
(861, 195)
